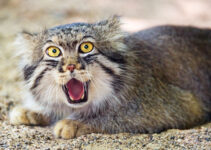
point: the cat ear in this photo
(23, 46)
(111, 24)
(109, 31)
(26, 35)
(24, 38)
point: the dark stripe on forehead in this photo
(38, 78)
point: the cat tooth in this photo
(71, 98)
(82, 97)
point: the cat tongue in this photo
(75, 89)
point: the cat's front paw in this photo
(68, 129)
(20, 115)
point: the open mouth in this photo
(76, 91)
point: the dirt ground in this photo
(18, 15)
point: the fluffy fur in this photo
(145, 82)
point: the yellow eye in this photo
(86, 47)
(53, 51)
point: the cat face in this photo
(75, 65)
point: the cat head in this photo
(75, 64)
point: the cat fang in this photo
(76, 91)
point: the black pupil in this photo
(54, 50)
(86, 46)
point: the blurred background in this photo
(34, 15)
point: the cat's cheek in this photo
(60, 78)
(83, 75)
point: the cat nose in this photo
(71, 67)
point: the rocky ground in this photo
(16, 15)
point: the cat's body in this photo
(153, 80)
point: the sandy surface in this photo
(16, 15)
